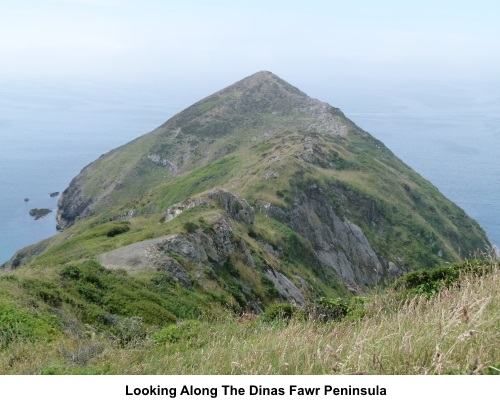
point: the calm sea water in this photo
(48, 134)
(451, 136)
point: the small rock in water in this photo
(39, 213)
(26, 199)
(54, 194)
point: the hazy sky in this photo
(223, 41)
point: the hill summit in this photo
(262, 193)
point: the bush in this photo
(70, 272)
(191, 227)
(279, 312)
(18, 324)
(177, 333)
(336, 309)
(328, 309)
(47, 291)
(129, 331)
(430, 282)
(117, 229)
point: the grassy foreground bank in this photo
(445, 321)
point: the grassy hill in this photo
(257, 203)
(313, 178)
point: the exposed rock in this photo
(26, 255)
(198, 247)
(177, 209)
(270, 249)
(236, 207)
(326, 120)
(285, 287)
(54, 194)
(272, 210)
(339, 243)
(302, 281)
(38, 213)
(73, 205)
(394, 271)
(174, 269)
(270, 175)
(137, 256)
(160, 161)
(192, 247)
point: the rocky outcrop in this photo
(26, 255)
(160, 161)
(285, 287)
(197, 247)
(339, 244)
(173, 268)
(72, 205)
(172, 253)
(235, 207)
(38, 213)
(177, 209)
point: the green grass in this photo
(456, 330)
(194, 182)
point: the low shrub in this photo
(19, 324)
(129, 331)
(429, 282)
(282, 312)
(117, 229)
(47, 291)
(336, 309)
(191, 227)
(176, 333)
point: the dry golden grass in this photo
(457, 331)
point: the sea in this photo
(450, 134)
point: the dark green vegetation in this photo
(255, 199)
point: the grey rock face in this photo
(339, 243)
(157, 159)
(285, 287)
(174, 269)
(236, 207)
(72, 205)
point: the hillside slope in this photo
(263, 193)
